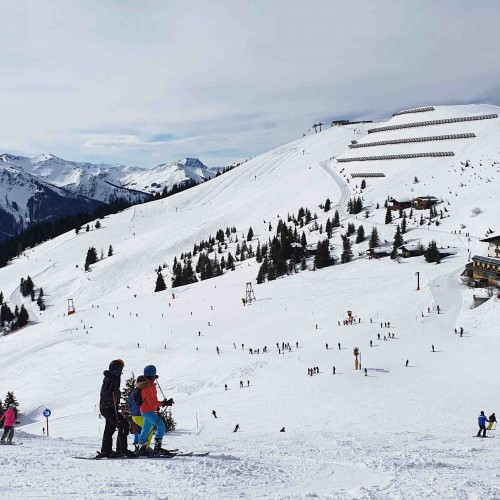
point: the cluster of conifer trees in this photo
(12, 320)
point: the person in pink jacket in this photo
(8, 419)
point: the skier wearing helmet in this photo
(108, 406)
(149, 406)
(9, 419)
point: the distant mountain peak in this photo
(45, 157)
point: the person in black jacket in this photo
(108, 406)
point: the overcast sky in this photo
(148, 82)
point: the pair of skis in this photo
(172, 454)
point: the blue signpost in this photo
(47, 413)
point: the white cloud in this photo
(217, 74)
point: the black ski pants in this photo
(8, 434)
(114, 421)
(482, 428)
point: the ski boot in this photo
(144, 451)
(158, 450)
(106, 454)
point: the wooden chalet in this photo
(411, 250)
(400, 204)
(379, 252)
(424, 202)
(484, 271)
(493, 246)
(447, 251)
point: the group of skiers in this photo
(481, 420)
(143, 404)
(8, 419)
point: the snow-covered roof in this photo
(491, 238)
(486, 260)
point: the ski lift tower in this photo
(71, 307)
(249, 294)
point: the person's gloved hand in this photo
(168, 402)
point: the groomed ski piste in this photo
(400, 432)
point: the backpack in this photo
(138, 397)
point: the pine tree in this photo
(336, 219)
(351, 229)
(110, 251)
(123, 405)
(262, 274)
(347, 254)
(97, 225)
(328, 205)
(168, 420)
(250, 234)
(303, 265)
(328, 228)
(91, 258)
(40, 301)
(403, 224)
(258, 255)
(374, 239)
(322, 257)
(360, 235)
(363, 184)
(388, 216)
(432, 253)
(11, 399)
(160, 283)
(303, 240)
(398, 241)
(23, 317)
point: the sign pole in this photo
(46, 414)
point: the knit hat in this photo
(12, 405)
(116, 367)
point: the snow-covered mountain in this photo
(402, 430)
(79, 186)
(166, 175)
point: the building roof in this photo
(492, 238)
(486, 260)
(411, 247)
(401, 200)
(426, 198)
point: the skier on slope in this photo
(135, 412)
(481, 420)
(8, 419)
(149, 406)
(492, 419)
(108, 407)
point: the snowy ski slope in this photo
(400, 432)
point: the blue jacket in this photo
(133, 406)
(482, 419)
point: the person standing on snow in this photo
(492, 419)
(481, 420)
(135, 412)
(149, 406)
(9, 419)
(108, 407)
